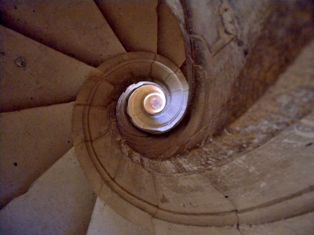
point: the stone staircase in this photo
(252, 177)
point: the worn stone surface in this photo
(170, 37)
(269, 183)
(59, 202)
(106, 221)
(165, 228)
(246, 190)
(283, 208)
(128, 68)
(227, 56)
(76, 28)
(35, 75)
(228, 191)
(282, 105)
(191, 194)
(137, 181)
(134, 21)
(299, 225)
(125, 207)
(30, 142)
(276, 173)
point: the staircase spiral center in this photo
(154, 102)
(141, 99)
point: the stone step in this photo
(36, 75)
(170, 38)
(30, 142)
(134, 21)
(106, 221)
(76, 28)
(59, 202)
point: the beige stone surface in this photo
(31, 141)
(60, 202)
(198, 220)
(239, 52)
(299, 203)
(272, 176)
(88, 91)
(76, 28)
(291, 98)
(98, 123)
(106, 221)
(170, 38)
(300, 225)
(127, 206)
(190, 194)
(136, 181)
(128, 67)
(165, 228)
(95, 179)
(108, 153)
(35, 75)
(134, 21)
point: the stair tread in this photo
(30, 142)
(104, 220)
(170, 38)
(135, 22)
(74, 27)
(59, 202)
(36, 75)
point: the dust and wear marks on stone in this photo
(20, 62)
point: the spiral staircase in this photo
(229, 148)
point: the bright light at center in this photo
(154, 103)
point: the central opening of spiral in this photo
(146, 99)
(154, 102)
